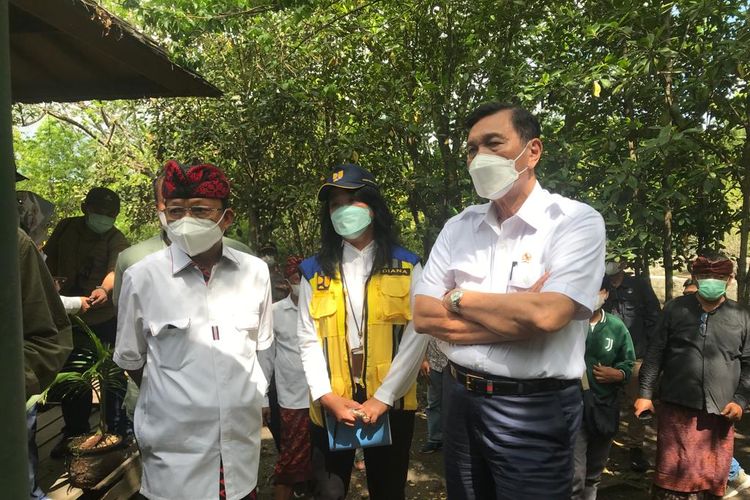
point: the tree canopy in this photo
(644, 107)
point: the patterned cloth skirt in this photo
(693, 450)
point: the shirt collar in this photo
(532, 211)
(288, 303)
(181, 260)
(369, 249)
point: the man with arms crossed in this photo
(513, 401)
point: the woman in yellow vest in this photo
(360, 353)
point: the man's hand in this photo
(266, 415)
(373, 409)
(85, 306)
(732, 411)
(537, 287)
(340, 408)
(424, 370)
(643, 404)
(98, 297)
(607, 374)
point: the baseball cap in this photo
(347, 176)
(103, 198)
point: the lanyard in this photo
(360, 325)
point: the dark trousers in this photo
(76, 406)
(386, 466)
(509, 447)
(274, 424)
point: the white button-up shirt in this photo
(404, 367)
(201, 398)
(549, 233)
(291, 387)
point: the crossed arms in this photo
(488, 318)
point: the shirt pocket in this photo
(246, 332)
(394, 299)
(524, 275)
(468, 272)
(170, 343)
(323, 312)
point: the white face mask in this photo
(600, 300)
(194, 236)
(294, 290)
(493, 175)
(611, 268)
(162, 219)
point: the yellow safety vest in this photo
(388, 312)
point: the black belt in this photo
(484, 383)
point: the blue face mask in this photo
(98, 223)
(351, 221)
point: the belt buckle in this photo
(472, 379)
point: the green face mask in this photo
(712, 289)
(351, 221)
(100, 224)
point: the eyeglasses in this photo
(197, 212)
(704, 324)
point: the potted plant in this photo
(94, 455)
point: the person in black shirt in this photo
(701, 349)
(632, 299)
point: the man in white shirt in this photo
(359, 350)
(197, 314)
(513, 401)
(293, 466)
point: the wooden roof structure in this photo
(74, 50)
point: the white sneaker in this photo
(738, 484)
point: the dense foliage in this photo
(645, 110)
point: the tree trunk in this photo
(743, 287)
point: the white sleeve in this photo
(405, 366)
(130, 343)
(311, 352)
(72, 304)
(576, 260)
(265, 322)
(437, 278)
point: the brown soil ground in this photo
(425, 480)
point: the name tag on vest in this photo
(396, 271)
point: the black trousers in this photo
(386, 466)
(509, 447)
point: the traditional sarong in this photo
(294, 464)
(253, 495)
(693, 450)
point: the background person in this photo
(609, 363)
(293, 466)
(358, 346)
(83, 251)
(632, 299)
(432, 368)
(701, 350)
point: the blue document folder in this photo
(343, 437)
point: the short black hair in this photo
(525, 124)
(606, 283)
(689, 282)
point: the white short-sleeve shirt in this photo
(203, 388)
(291, 386)
(549, 233)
